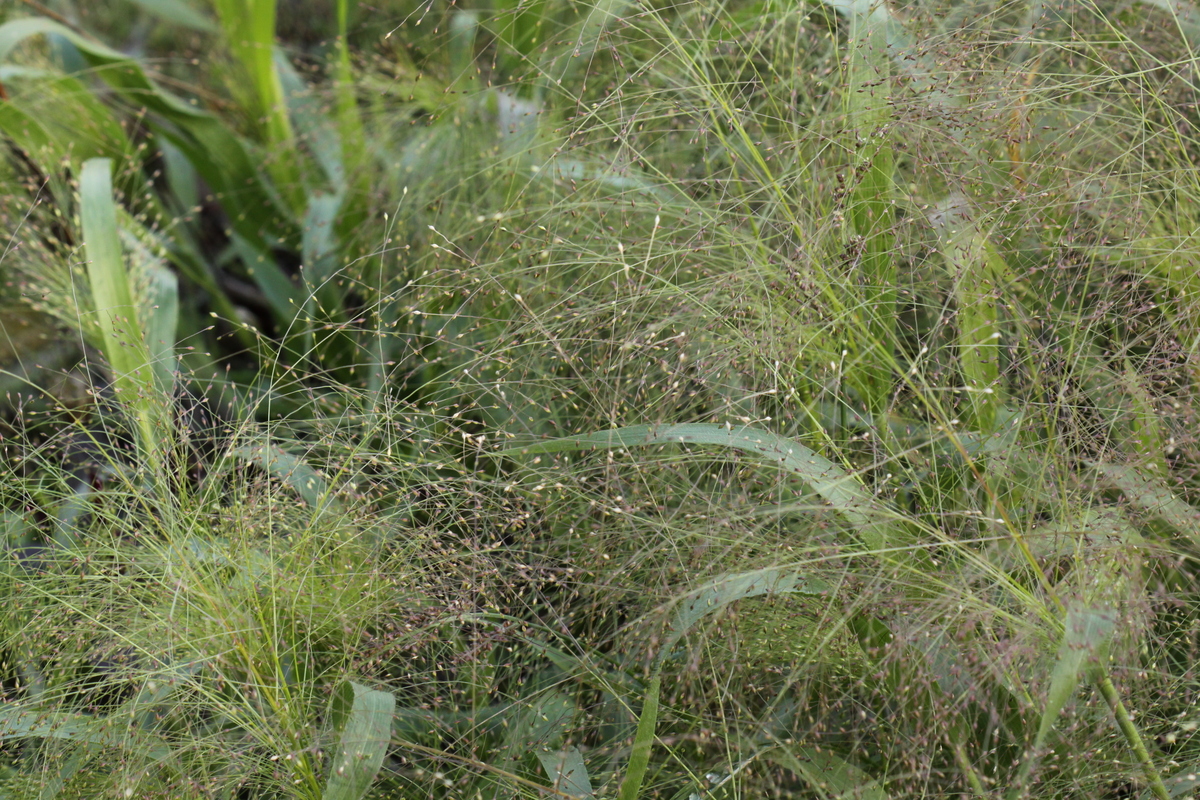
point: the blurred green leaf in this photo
(289, 468)
(827, 773)
(1082, 653)
(566, 771)
(362, 720)
(179, 12)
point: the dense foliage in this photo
(617, 399)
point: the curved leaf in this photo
(869, 517)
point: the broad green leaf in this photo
(249, 27)
(162, 320)
(123, 340)
(1182, 784)
(423, 725)
(362, 720)
(350, 125)
(464, 27)
(256, 212)
(828, 774)
(977, 270)
(319, 251)
(282, 295)
(718, 594)
(65, 768)
(57, 120)
(643, 741)
(21, 723)
(289, 468)
(1184, 14)
(1148, 443)
(310, 116)
(545, 723)
(566, 771)
(871, 210)
(571, 171)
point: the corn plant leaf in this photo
(222, 159)
(870, 518)
(362, 720)
(567, 772)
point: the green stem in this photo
(1133, 737)
(973, 780)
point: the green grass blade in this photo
(870, 518)
(249, 27)
(972, 263)
(872, 199)
(696, 605)
(1081, 653)
(123, 343)
(362, 718)
(643, 741)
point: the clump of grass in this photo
(764, 399)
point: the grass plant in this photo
(610, 400)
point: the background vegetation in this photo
(541, 398)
